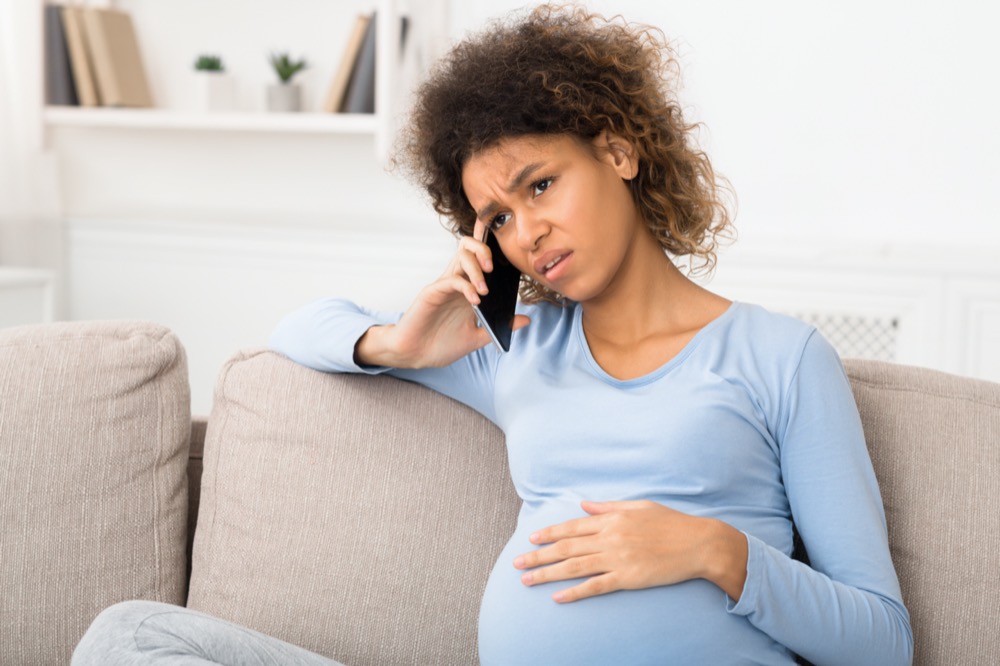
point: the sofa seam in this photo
(110, 333)
(874, 384)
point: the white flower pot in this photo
(284, 97)
(215, 92)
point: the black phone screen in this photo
(496, 308)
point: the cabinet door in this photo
(25, 297)
(973, 317)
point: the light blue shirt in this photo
(753, 423)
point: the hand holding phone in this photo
(496, 308)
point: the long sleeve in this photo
(322, 336)
(846, 608)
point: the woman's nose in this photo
(531, 228)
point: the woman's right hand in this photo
(440, 326)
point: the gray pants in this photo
(147, 632)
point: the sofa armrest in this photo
(94, 428)
(933, 442)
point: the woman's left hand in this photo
(635, 544)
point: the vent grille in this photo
(857, 336)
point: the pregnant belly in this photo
(686, 623)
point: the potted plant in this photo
(215, 88)
(285, 96)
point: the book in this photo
(338, 86)
(360, 95)
(114, 51)
(79, 57)
(59, 86)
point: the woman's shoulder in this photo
(774, 335)
(760, 318)
(769, 352)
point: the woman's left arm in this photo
(846, 606)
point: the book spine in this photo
(100, 57)
(59, 86)
(338, 87)
(118, 68)
(360, 97)
(79, 57)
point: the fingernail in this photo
(559, 597)
(518, 562)
(533, 538)
(526, 578)
(481, 286)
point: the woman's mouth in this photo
(551, 266)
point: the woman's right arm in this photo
(436, 342)
(323, 334)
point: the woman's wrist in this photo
(727, 560)
(373, 348)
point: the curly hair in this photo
(563, 70)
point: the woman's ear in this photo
(618, 154)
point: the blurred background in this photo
(859, 137)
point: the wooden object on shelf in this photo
(360, 96)
(79, 57)
(121, 78)
(59, 86)
(338, 87)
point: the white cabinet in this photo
(26, 296)
(974, 324)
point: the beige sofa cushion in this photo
(355, 516)
(94, 425)
(935, 443)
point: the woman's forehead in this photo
(507, 156)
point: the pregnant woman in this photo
(665, 441)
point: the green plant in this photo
(209, 63)
(285, 67)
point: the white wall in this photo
(850, 124)
(873, 120)
(219, 247)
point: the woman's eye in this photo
(540, 187)
(499, 221)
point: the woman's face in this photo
(561, 209)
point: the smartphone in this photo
(496, 308)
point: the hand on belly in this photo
(631, 545)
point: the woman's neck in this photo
(648, 296)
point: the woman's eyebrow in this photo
(515, 184)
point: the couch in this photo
(359, 516)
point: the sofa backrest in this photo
(934, 439)
(355, 516)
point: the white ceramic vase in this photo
(215, 91)
(284, 97)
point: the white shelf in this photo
(160, 119)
